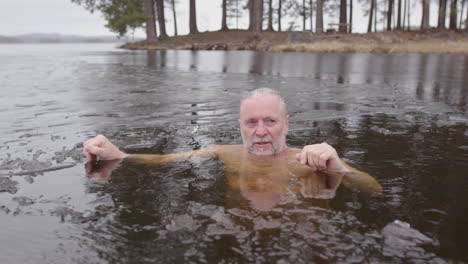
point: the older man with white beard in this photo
(264, 154)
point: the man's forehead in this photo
(268, 103)
(264, 98)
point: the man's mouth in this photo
(263, 143)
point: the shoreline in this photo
(437, 42)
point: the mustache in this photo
(261, 140)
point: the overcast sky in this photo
(61, 16)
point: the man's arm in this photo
(358, 180)
(323, 157)
(101, 147)
(210, 152)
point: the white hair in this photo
(266, 91)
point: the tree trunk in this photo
(193, 18)
(270, 15)
(466, 22)
(303, 15)
(342, 28)
(319, 17)
(175, 17)
(251, 14)
(409, 15)
(404, 14)
(389, 15)
(279, 15)
(425, 15)
(453, 15)
(371, 15)
(257, 16)
(398, 26)
(375, 15)
(442, 14)
(311, 5)
(350, 16)
(460, 24)
(224, 16)
(150, 21)
(161, 19)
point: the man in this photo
(264, 160)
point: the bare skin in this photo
(262, 166)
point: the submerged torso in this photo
(270, 180)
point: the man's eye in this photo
(251, 123)
(270, 122)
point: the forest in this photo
(123, 16)
(305, 22)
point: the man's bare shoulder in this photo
(230, 154)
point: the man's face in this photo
(263, 125)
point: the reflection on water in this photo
(401, 118)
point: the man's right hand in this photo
(101, 147)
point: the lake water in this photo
(401, 118)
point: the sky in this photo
(62, 16)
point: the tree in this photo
(150, 21)
(404, 13)
(371, 16)
(319, 17)
(270, 15)
(256, 16)
(193, 18)
(224, 15)
(461, 14)
(350, 26)
(466, 22)
(172, 4)
(453, 15)
(398, 26)
(279, 14)
(311, 7)
(409, 21)
(389, 15)
(442, 14)
(251, 14)
(303, 14)
(121, 15)
(343, 19)
(161, 19)
(425, 15)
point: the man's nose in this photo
(261, 130)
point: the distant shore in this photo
(445, 42)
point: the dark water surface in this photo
(401, 118)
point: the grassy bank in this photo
(386, 42)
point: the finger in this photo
(310, 161)
(88, 168)
(304, 157)
(95, 150)
(312, 158)
(323, 159)
(89, 141)
(87, 155)
(316, 157)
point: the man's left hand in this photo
(321, 157)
